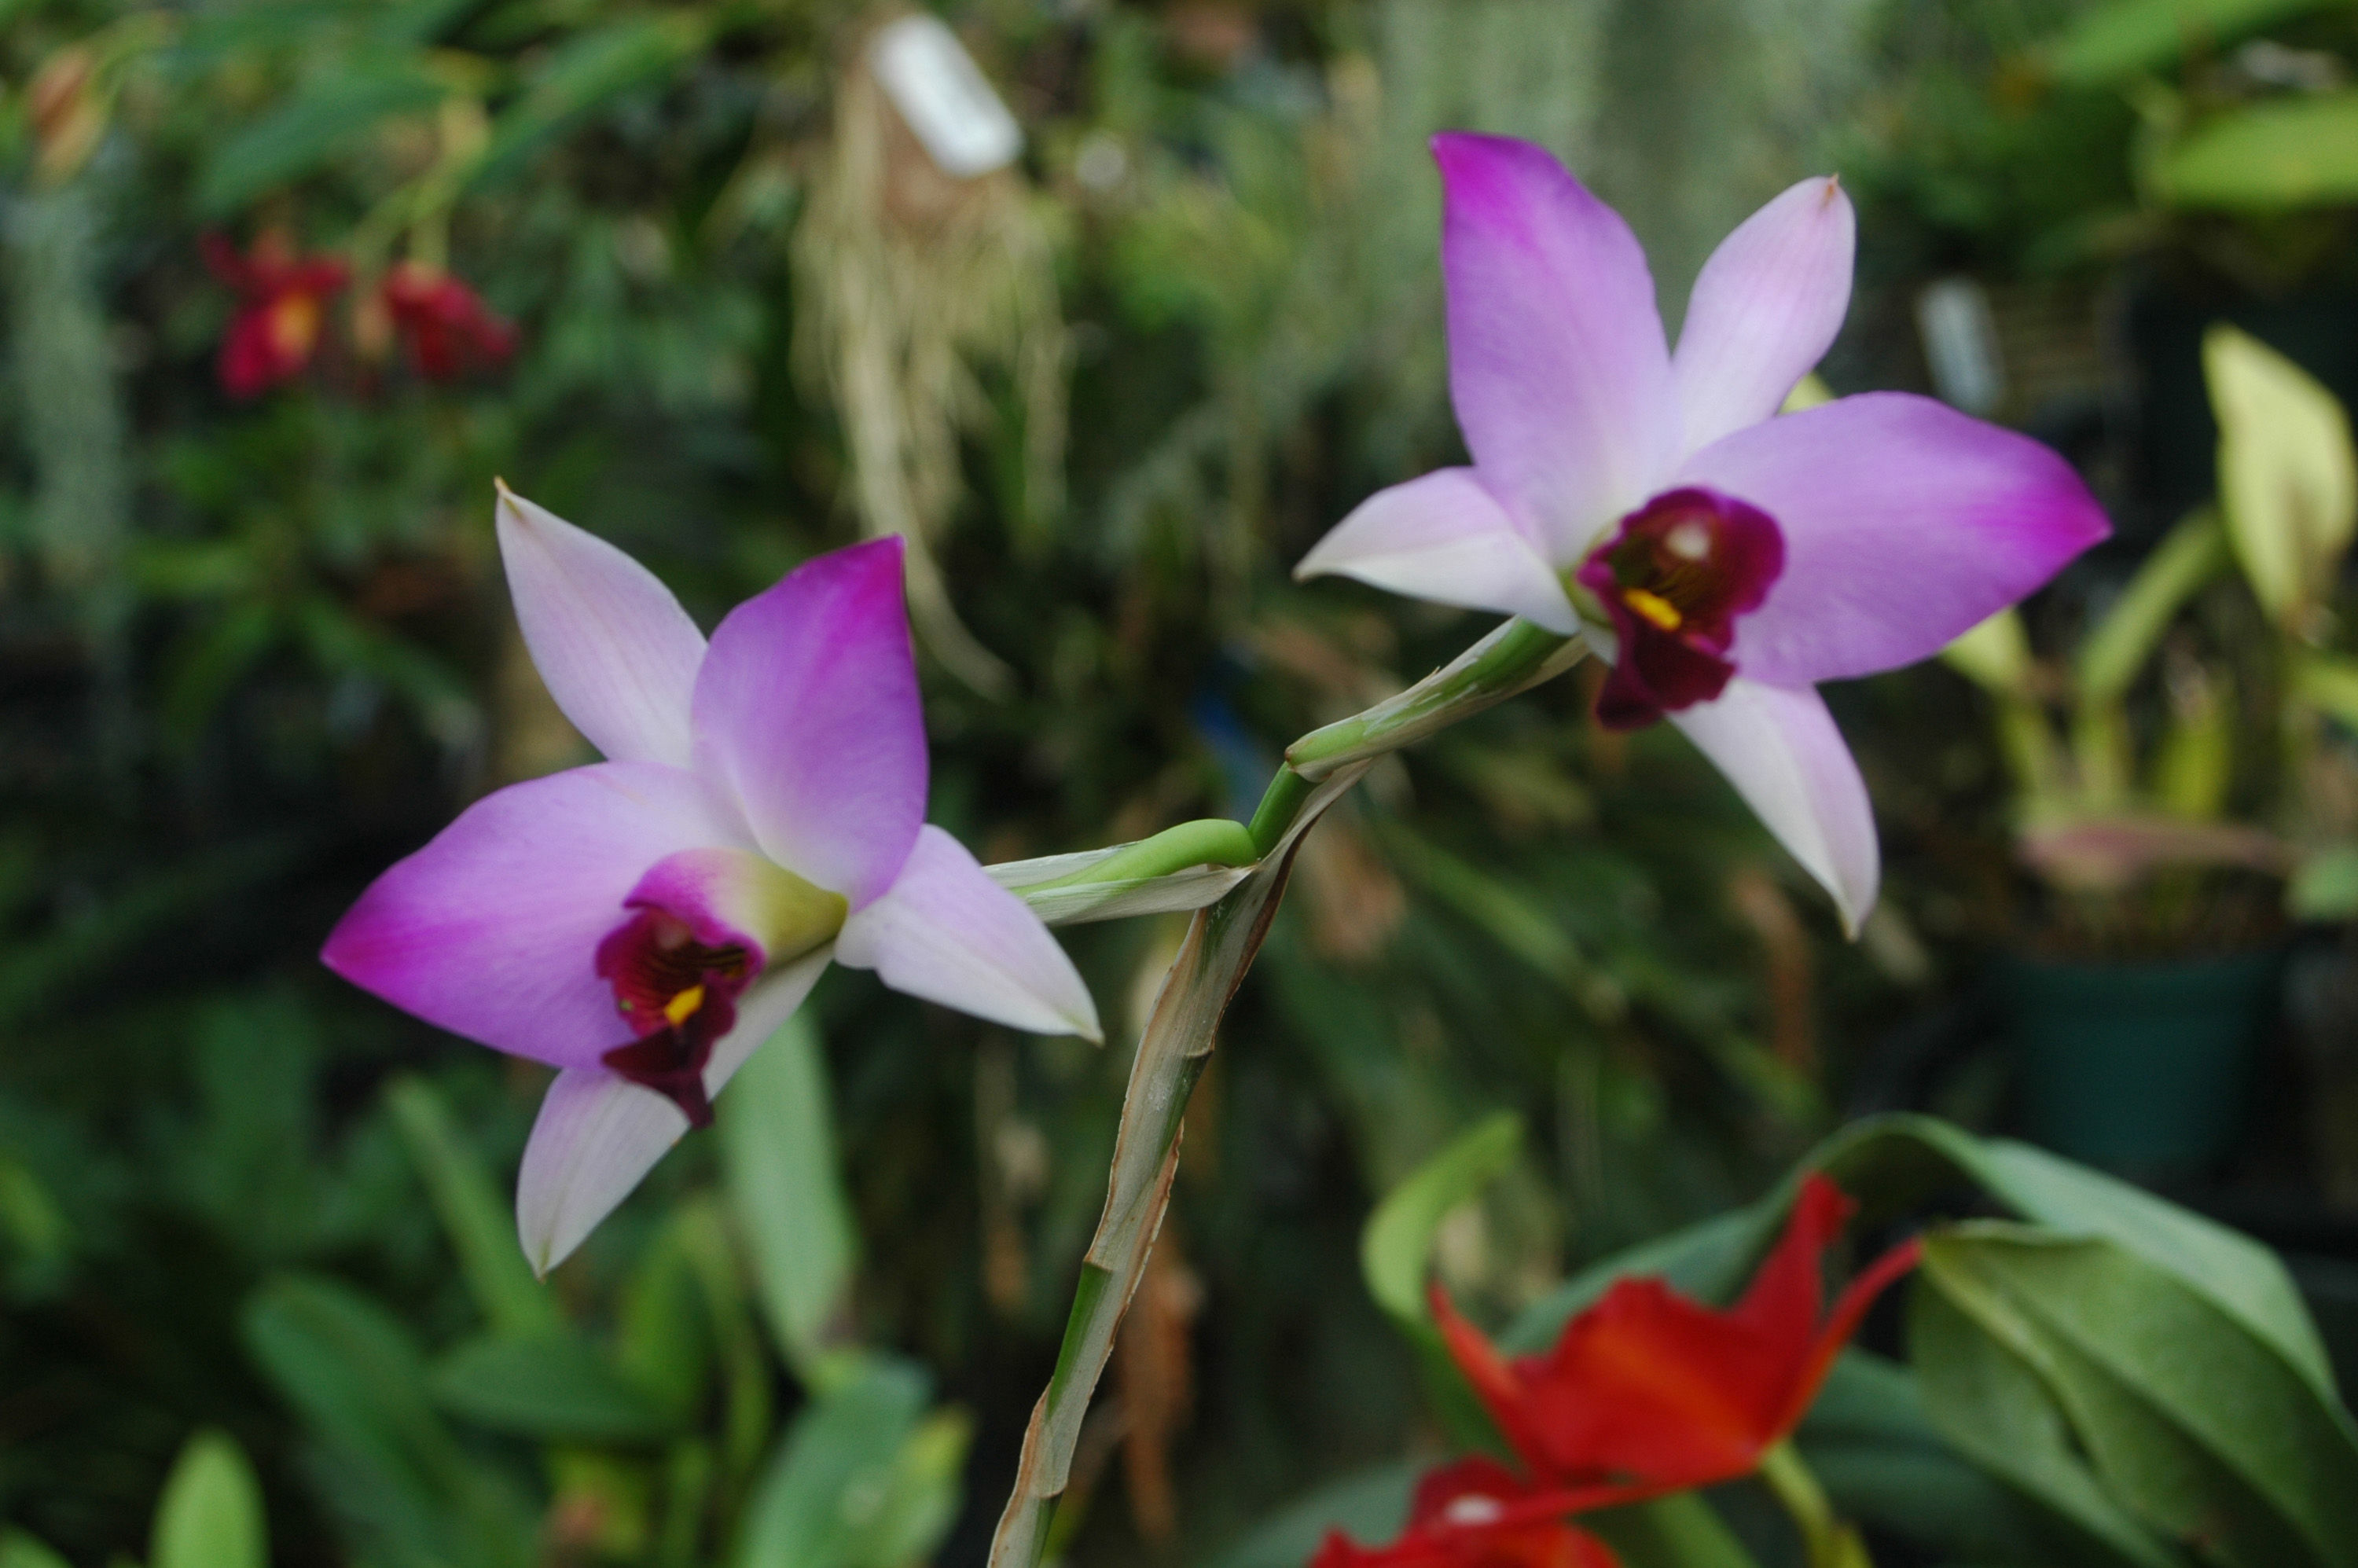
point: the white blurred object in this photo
(1961, 345)
(943, 95)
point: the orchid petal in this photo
(599, 1134)
(947, 933)
(1764, 310)
(492, 930)
(1557, 365)
(1780, 749)
(807, 711)
(617, 652)
(1444, 537)
(1906, 524)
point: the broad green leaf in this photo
(1991, 1405)
(2326, 886)
(555, 1387)
(1708, 1260)
(2111, 41)
(324, 119)
(2116, 650)
(1370, 1507)
(2299, 150)
(921, 1501)
(825, 1497)
(481, 1229)
(210, 1513)
(1398, 1239)
(2329, 681)
(785, 1192)
(1993, 656)
(2287, 475)
(664, 1340)
(2193, 1421)
(388, 1463)
(585, 71)
(18, 1550)
(1679, 1531)
(1872, 1444)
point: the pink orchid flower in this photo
(1722, 560)
(644, 923)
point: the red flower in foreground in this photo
(446, 324)
(282, 302)
(1477, 1513)
(1656, 1392)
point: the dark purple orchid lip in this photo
(678, 993)
(1672, 578)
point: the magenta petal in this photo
(492, 930)
(1765, 306)
(598, 1134)
(807, 711)
(1780, 749)
(1444, 537)
(618, 653)
(1906, 524)
(1557, 365)
(949, 933)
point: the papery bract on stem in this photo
(643, 923)
(1654, 1391)
(1722, 558)
(1474, 1513)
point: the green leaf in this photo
(664, 1337)
(2198, 1425)
(303, 134)
(481, 1229)
(1398, 1239)
(786, 1193)
(2180, 565)
(1995, 655)
(1679, 1531)
(210, 1513)
(2289, 152)
(1872, 1444)
(2326, 886)
(921, 1501)
(825, 1499)
(1990, 1403)
(18, 1550)
(555, 1387)
(2329, 682)
(2112, 41)
(1707, 1261)
(584, 72)
(1370, 1507)
(351, 1370)
(2287, 474)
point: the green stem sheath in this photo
(1827, 1543)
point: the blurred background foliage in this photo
(254, 649)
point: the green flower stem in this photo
(1827, 1543)
(1515, 657)
(1176, 1043)
(1208, 841)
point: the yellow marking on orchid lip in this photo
(1654, 608)
(682, 1008)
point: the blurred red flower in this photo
(1649, 1390)
(1477, 1513)
(282, 303)
(446, 324)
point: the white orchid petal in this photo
(1780, 749)
(947, 933)
(618, 653)
(599, 1134)
(1444, 537)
